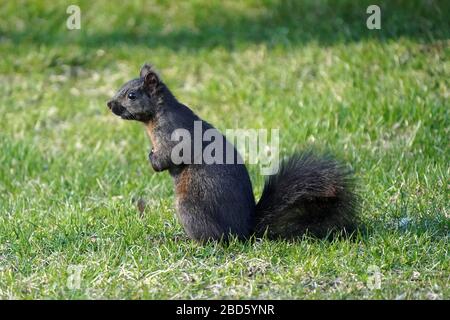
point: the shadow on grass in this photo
(289, 23)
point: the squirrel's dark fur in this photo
(310, 194)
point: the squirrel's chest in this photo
(150, 129)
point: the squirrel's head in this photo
(139, 99)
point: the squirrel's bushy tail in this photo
(310, 194)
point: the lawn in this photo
(71, 173)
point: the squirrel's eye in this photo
(132, 95)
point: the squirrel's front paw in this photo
(156, 164)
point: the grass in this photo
(71, 172)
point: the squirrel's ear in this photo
(151, 79)
(146, 68)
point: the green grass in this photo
(71, 172)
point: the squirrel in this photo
(310, 194)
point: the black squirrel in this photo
(309, 195)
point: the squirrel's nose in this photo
(109, 104)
